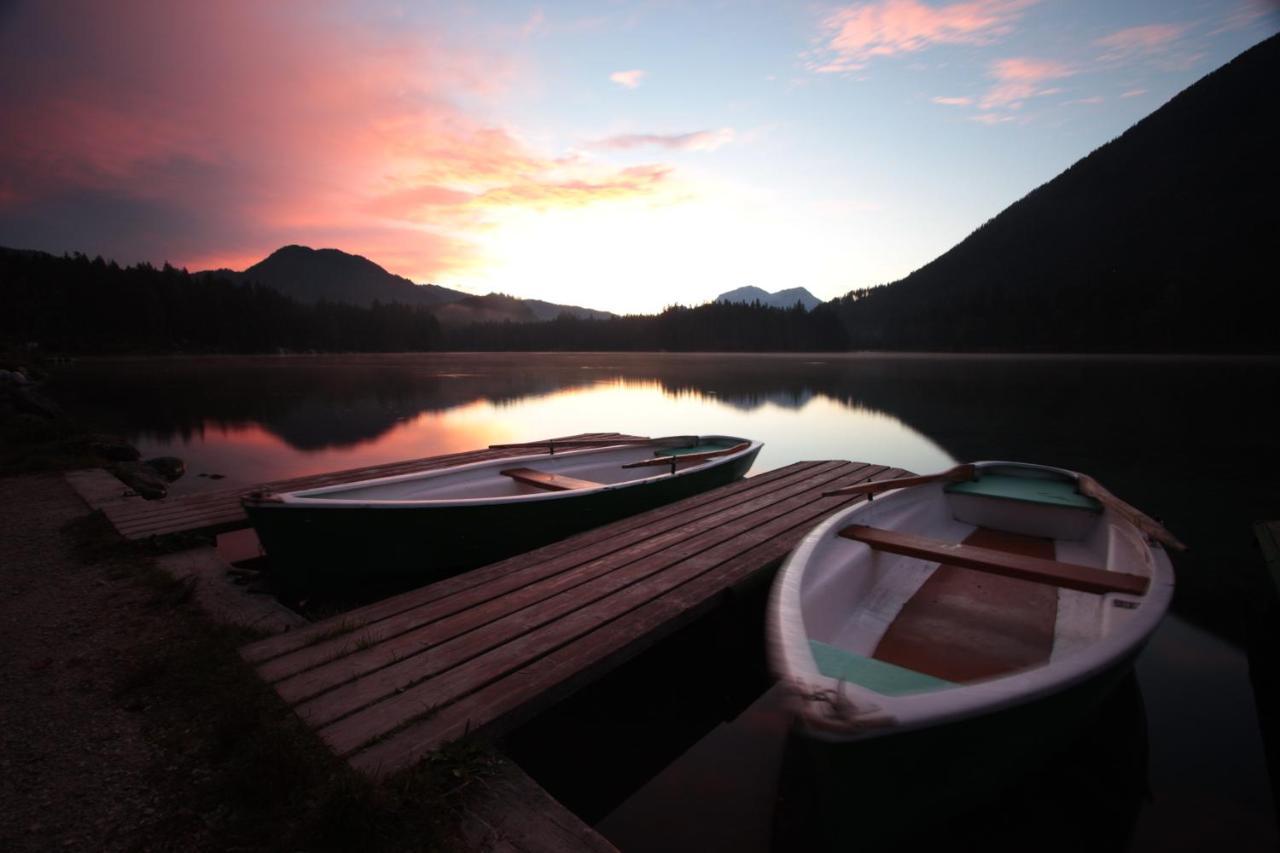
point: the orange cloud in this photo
(953, 102)
(628, 79)
(210, 132)
(1019, 79)
(1138, 41)
(702, 140)
(858, 33)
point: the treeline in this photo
(75, 304)
(715, 327)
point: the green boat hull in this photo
(321, 547)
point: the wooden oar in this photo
(955, 475)
(688, 457)
(1148, 525)
(593, 442)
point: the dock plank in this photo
(538, 578)
(387, 684)
(219, 510)
(601, 645)
(474, 631)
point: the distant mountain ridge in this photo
(313, 275)
(778, 299)
(1160, 240)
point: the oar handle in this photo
(1148, 525)
(956, 474)
(595, 442)
(688, 457)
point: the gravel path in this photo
(76, 768)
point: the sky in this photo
(623, 156)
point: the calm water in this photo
(1184, 439)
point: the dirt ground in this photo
(77, 770)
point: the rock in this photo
(114, 448)
(26, 400)
(142, 478)
(169, 467)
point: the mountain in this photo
(314, 275)
(779, 299)
(498, 307)
(1163, 239)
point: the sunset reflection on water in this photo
(814, 428)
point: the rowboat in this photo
(981, 611)
(429, 525)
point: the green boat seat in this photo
(885, 678)
(1027, 489)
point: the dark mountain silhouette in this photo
(1163, 239)
(314, 275)
(778, 299)
(331, 275)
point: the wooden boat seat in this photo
(550, 482)
(1021, 566)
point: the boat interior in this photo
(970, 581)
(564, 470)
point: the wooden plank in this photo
(548, 481)
(527, 640)
(504, 811)
(553, 587)
(584, 561)
(438, 646)
(1066, 575)
(548, 678)
(619, 533)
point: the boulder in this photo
(114, 448)
(169, 467)
(142, 478)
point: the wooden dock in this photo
(386, 684)
(218, 511)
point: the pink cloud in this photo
(1139, 41)
(953, 102)
(856, 34)
(628, 79)
(1133, 93)
(1018, 79)
(224, 130)
(702, 140)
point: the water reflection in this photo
(1185, 439)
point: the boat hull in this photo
(323, 546)
(882, 791)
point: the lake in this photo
(1185, 439)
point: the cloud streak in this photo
(856, 34)
(628, 79)
(1139, 41)
(1020, 78)
(701, 140)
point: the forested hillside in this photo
(1164, 239)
